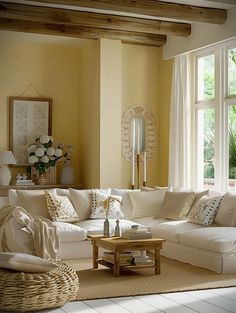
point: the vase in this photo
(67, 173)
(106, 231)
(42, 179)
(117, 228)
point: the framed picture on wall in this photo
(29, 119)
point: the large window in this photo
(215, 118)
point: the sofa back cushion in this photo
(82, 202)
(176, 205)
(226, 215)
(146, 203)
(126, 204)
(34, 201)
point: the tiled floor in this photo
(206, 301)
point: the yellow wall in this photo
(140, 86)
(89, 114)
(163, 120)
(92, 83)
(53, 69)
(110, 118)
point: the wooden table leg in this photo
(157, 261)
(95, 254)
(116, 263)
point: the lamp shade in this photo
(7, 157)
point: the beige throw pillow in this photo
(176, 205)
(60, 208)
(199, 195)
(146, 203)
(34, 201)
(226, 215)
(23, 262)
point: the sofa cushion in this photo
(70, 232)
(176, 205)
(226, 215)
(204, 210)
(81, 201)
(60, 208)
(105, 206)
(34, 201)
(218, 239)
(166, 229)
(95, 226)
(146, 203)
(126, 204)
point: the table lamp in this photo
(6, 158)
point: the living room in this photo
(91, 83)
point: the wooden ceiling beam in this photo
(88, 19)
(81, 32)
(150, 8)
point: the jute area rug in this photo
(175, 276)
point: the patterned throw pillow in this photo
(97, 206)
(204, 210)
(60, 208)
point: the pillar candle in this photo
(133, 169)
(138, 141)
(133, 135)
(144, 166)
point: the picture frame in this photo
(29, 118)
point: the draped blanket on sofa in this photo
(25, 233)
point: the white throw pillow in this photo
(126, 204)
(60, 208)
(23, 262)
(34, 202)
(98, 209)
(226, 215)
(176, 205)
(204, 211)
(81, 201)
(146, 203)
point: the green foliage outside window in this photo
(209, 121)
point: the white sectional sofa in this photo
(212, 247)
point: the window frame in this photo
(221, 104)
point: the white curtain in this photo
(180, 122)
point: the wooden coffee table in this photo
(118, 245)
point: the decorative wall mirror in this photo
(138, 133)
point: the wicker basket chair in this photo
(22, 292)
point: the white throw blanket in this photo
(23, 232)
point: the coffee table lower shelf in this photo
(133, 266)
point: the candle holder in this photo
(136, 169)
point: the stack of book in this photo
(126, 258)
(24, 182)
(136, 234)
(142, 259)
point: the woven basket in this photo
(24, 292)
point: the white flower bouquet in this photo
(42, 154)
